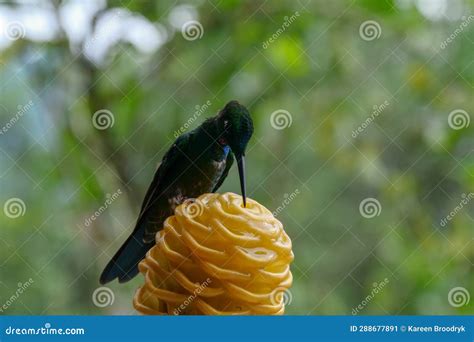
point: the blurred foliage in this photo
(319, 70)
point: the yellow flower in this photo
(214, 257)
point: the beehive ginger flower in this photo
(214, 257)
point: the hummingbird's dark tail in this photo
(124, 264)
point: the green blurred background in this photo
(323, 71)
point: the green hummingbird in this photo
(196, 163)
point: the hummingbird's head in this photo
(236, 128)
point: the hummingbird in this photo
(198, 162)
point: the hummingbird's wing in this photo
(158, 186)
(124, 264)
(228, 164)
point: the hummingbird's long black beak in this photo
(241, 166)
